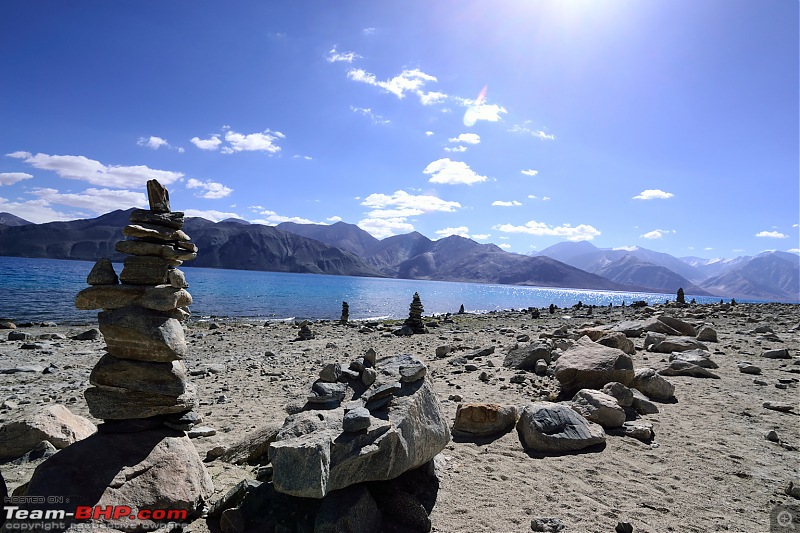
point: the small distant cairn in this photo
(305, 333)
(461, 310)
(680, 297)
(414, 320)
(345, 313)
(534, 312)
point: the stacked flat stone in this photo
(345, 313)
(142, 379)
(305, 333)
(414, 320)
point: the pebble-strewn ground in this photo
(709, 468)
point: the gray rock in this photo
(152, 469)
(327, 393)
(588, 365)
(331, 373)
(746, 367)
(442, 351)
(31, 369)
(102, 273)
(707, 334)
(793, 489)
(412, 372)
(356, 420)
(350, 510)
(18, 336)
(54, 423)
(779, 406)
(652, 339)
(650, 383)
(541, 367)
(623, 527)
(115, 403)
(201, 431)
(146, 270)
(772, 436)
(695, 357)
(551, 427)
(370, 357)
(654, 325)
(167, 379)
(253, 448)
(783, 353)
(177, 278)
(547, 524)
(638, 430)
(629, 328)
(311, 457)
(172, 220)
(525, 357)
(133, 333)
(483, 419)
(368, 376)
(678, 344)
(164, 250)
(682, 327)
(642, 403)
(88, 335)
(154, 232)
(682, 368)
(598, 407)
(618, 340)
(619, 392)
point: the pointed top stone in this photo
(158, 196)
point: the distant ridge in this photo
(7, 219)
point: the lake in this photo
(45, 289)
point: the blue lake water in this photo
(45, 289)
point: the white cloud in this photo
(502, 203)
(367, 112)
(582, 232)
(469, 138)
(529, 172)
(334, 219)
(36, 211)
(708, 248)
(207, 144)
(95, 201)
(153, 142)
(81, 168)
(368, 31)
(461, 231)
(334, 56)
(653, 194)
(381, 228)
(428, 133)
(211, 214)
(476, 112)
(213, 189)
(452, 172)
(252, 142)
(545, 198)
(10, 178)
(481, 236)
(771, 234)
(408, 81)
(407, 204)
(456, 149)
(655, 234)
(525, 128)
(505, 246)
(272, 218)
(794, 250)
(795, 225)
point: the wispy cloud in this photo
(409, 81)
(653, 194)
(155, 143)
(82, 168)
(502, 203)
(37, 211)
(389, 213)
(211, 214)
(534, 197)
(530, 172)
(95, 201)
(334, 56)
(213, 190)
(467, 138)
(771, 234)
(455, 149)
(451, 172)
(10, 178)
(262, 141)
(481, 236)
(526, 129)
(582, 232)
(655, 234)
(212, 143)
(271, 218)
(505, 246)
(381, 228)
(367, 112)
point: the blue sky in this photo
(666, 124)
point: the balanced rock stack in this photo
(143, 376)
(414, 320)
(345, 313)
(140, 456)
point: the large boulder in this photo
(552, 427)
(653, 385)
(588, 365)
(598, 407)
(682, 327)
(312, 455)
(156, 469)
(695, 357)
(55, 424)
(483, 419)
(525, 357)
(619, 340)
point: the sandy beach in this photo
(709, 466)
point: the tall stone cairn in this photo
(414, 320)
(345, 313)
(141, 383)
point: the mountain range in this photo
(346, 249)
